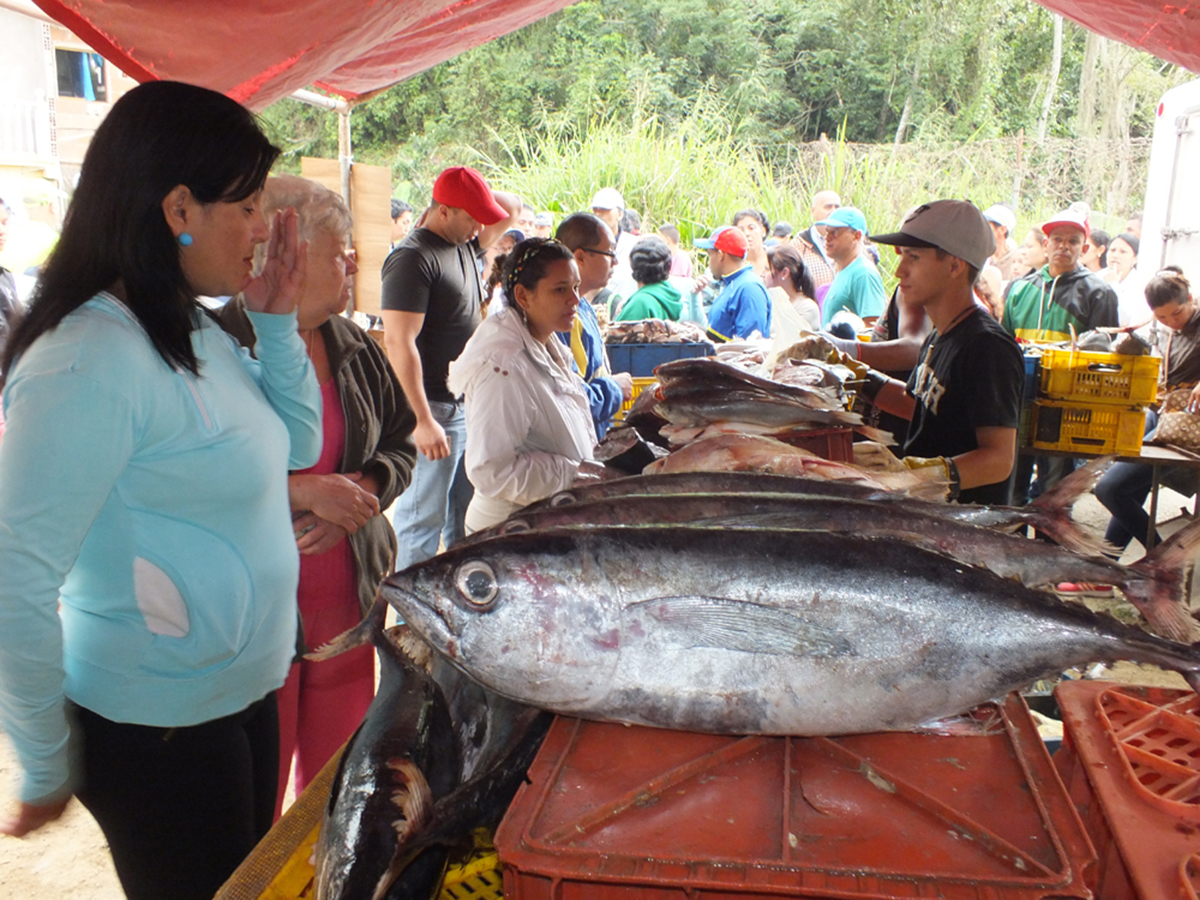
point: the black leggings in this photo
(181, 807)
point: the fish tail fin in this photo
(1051, 513)
(360, 634)
(1162, 592)
(1075, 485)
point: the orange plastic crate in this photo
(625, 813)
(1131, 762)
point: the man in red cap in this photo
(742, 307)
(1046, 303)
(431, 303)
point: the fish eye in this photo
(515, 526)
(477, 583)
(566, 498)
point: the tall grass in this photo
(698, 174)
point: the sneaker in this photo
(1085, 589)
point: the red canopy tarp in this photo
(258, 51)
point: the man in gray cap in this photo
(964, 397)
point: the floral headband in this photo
(532, 247)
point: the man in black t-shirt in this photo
(431, 303)
(963, 400)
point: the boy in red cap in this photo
(743, 306)
(431, 302)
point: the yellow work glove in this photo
(941, 467)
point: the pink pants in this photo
(321, 703)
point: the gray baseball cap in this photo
(955, 226)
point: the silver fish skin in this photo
(742, 632)
(1157, 585)
(1050, 512)
(707, 408)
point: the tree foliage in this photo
(784, 73)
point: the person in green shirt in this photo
(655, 298)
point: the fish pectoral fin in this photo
(741, 625)
(411, 796)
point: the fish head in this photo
(526, 615)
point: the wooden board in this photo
(370, 204)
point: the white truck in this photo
(1171, 219)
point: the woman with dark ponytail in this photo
(147, 608)
(529, 422)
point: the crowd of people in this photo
(190, 498)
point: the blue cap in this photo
(846, 217)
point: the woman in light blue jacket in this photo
(147, 604)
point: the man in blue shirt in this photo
(742, 307)
(856, 285)
(594, 246)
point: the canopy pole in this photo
(344, 151)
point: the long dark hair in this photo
(159, 135)
(784, 258)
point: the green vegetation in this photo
(696, 108)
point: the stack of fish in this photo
(654, 331)
(703, 397)
(715, 602)
(710, 604)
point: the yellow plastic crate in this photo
(1086, 377)
(1088, 428)
(639, 385)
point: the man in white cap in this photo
(431, 306)
(1048, 302)
(609, 207)
(1004, 223)
(963, 400)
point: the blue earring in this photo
(185, 240)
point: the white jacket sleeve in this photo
(500, 413)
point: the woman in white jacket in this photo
(529, 425)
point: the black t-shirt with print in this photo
(970, 378)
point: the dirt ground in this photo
(69, 858)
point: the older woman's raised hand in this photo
(277, 288)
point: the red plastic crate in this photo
(835, 444)
(625, 813)
(1130, 759)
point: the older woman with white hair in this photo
(346, 546)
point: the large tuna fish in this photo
(1156, 585)
(749, 631)
(1049, 513)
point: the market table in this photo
(1151, 455)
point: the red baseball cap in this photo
(726, 238)
(461, 187)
